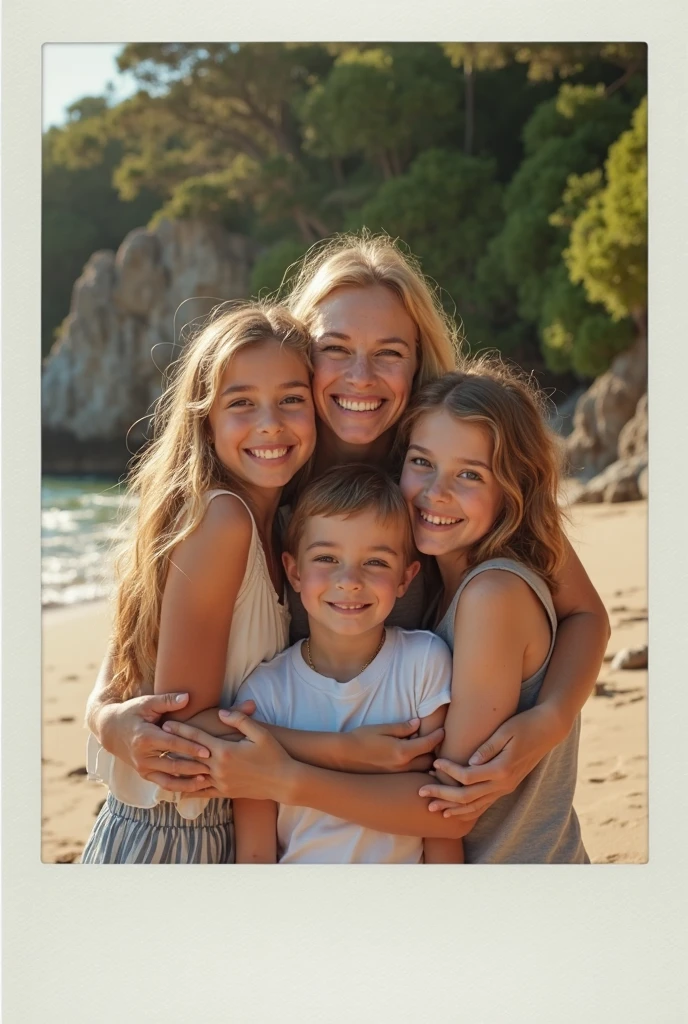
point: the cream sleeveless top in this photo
(259, 631)
(536, 824)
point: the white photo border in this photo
(492, 944)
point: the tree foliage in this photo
(607, 252)
(486, 159)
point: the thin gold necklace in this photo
(309, 660)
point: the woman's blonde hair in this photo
(364, 260)
(526, 460)
(174, 472)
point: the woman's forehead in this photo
(372, 308)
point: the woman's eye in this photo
(324, 558)
(470, 475)
(237, 403)
(389, 352)
(378, 562)
(418, 460)
(337, 349)
(294, 400)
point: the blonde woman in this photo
(378, 334)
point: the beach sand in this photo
(611, 796)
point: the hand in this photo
(390, 748)
(255, 768)
(129, 731)
(497, 767)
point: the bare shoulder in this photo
(500, 595)
(222, 537)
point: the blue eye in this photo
(470, 474)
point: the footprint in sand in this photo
(81, 770)
(595, 764)
(635, 807)
(67, 718)
(608, 821)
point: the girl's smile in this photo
(262, 421)
(448, 482)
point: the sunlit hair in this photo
(362, 261)
(348, 491)
(173, 474)
(526, 459)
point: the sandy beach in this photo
(611, 796)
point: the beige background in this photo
(496, 945)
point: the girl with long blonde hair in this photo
(200, 600)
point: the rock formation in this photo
(105, 371)
(608, 446)
(605, 408)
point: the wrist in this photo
(557, 723)
(101, 723)
(290, 787)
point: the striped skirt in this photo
(159, 835)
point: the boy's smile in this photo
(349, 571)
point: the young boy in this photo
(349, 553)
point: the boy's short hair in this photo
(348, 491)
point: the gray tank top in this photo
(536, 824)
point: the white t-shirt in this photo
(410, 678)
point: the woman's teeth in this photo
(268, 453)
(358, 406)
(437, 520)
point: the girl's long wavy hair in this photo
(526, 460)
(364, 260)
(173, 473)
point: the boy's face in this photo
(350, 570)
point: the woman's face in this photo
(365, 355)
(452, 494)
(262, 421)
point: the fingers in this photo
(400, 729)
(473, 810)
(491, 747)
(194, 785)
(251, 730)
(179, 767)
(420, 764)
(247, 707)
(423, 744)
(178, 745)
(190, 732)
(163, 703)
(465, 796)
(469, 776)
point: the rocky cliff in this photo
(608, 447)
(105, 371)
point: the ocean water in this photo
(81, 528)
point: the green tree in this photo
(445, 209)
(607, 251)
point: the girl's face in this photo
(364, 359)
(262, 421)
(447, 480)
